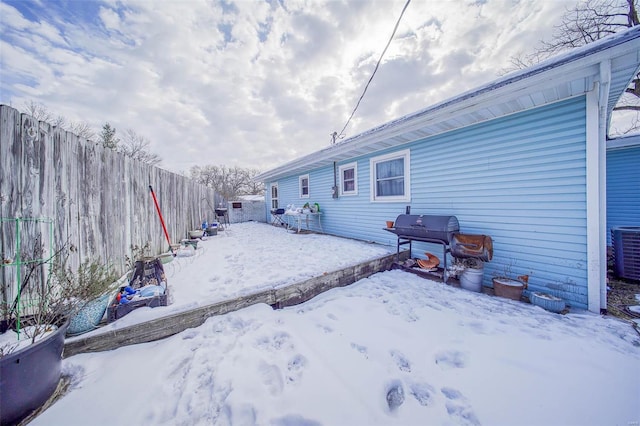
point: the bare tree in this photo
(83, 130)
(38, 111)
(205, 175)
(587, 22)
(591, 21)
(253, 187)
(136, 146)
(41, 113)
(229, 182)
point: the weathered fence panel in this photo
(98, 199)
(246, 210)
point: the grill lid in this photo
(433, 227)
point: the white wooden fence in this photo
(98, 199)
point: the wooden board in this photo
(277, 298)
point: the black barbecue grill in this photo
(443, 230)
(430, 227)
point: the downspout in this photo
(605, 87)
(597, 100)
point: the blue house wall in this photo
(623, 188)
(520, 179)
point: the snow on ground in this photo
(393, 349)
(247, 258)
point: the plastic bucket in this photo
(471, 279)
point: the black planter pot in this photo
(29, 376)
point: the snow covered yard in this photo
(390, 349)
(248, 258)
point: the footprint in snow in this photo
(401, 361)
(325, 328)
(422, 392)
(295, 366)
(451, 393)
(475, 326)
(459, 408)
(361, 349)
(403, 311)
(271, 377)
(276, 342)
(451, 359)
(280, 339)
(395, 395)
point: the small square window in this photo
(304, 186)
(349, 179)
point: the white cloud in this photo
(110, 18)
(255, 83)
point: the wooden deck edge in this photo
(169, 325)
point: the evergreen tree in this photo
(108, 137)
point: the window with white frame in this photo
(348, 179)
(390, 177)
(304, 186)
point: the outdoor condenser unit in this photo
(626, 251)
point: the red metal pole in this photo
(164, 227)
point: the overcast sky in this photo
(254, 83)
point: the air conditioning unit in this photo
(626, 251)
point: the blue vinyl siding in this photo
(520, 179)
(623, 188)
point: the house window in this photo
(304, 186)
(349, 179)
(390, 177)
(274, 195)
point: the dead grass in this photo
(621, 294)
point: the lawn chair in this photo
(276, 217)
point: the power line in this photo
(336, 135)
